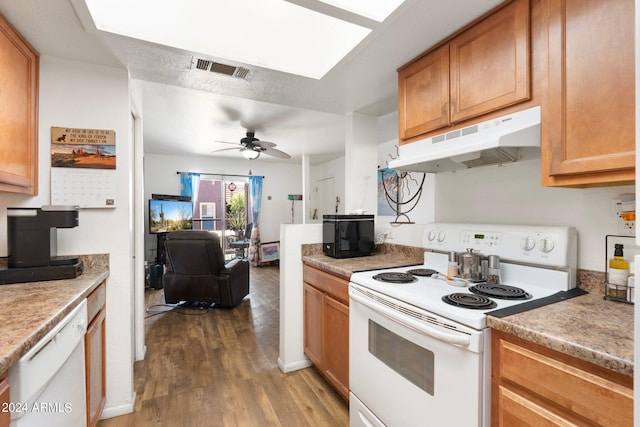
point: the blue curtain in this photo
(255, 192)
(189, 186)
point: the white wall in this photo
(291, 350)
(361, 158)
(80, 95)
(280, 180)
(332, 169)
(512, 194)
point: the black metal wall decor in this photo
(398, 194)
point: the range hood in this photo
(496, 141)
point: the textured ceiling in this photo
(185, 110)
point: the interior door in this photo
(326, 197)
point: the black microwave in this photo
(347, 236)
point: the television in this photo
(170, 214)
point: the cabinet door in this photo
(423, 94)
(95, 367)
(490, 65)
(5, 416)
(591, 111)
(336, 344)
(18, 113)
(313, 324)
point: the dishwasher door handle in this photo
(421, 327)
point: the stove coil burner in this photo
(474, 301)
(422, 272)
(500, 291)
(395, 277)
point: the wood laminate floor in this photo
(218, 367)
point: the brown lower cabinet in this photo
(5, 415)
(536, 386)
(326, 326)
(94, 348)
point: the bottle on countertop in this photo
(493, 272)
(618, 273)
(452, 269)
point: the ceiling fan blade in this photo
(264, 144)
(226, 149)
(227, 142)
(276, 153)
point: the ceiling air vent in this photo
(216, 67)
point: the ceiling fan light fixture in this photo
(250, 154)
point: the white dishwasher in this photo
(47, 384)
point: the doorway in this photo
(222, 207)
(325, 197)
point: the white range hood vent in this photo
(501, 140)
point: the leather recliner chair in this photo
(197, 272)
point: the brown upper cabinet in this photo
(18, 112)
(484, 68)
(590, 114)
(424, 94)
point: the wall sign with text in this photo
(83, 167)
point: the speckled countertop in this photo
(29, 310)
(588, 327)
(385, 256)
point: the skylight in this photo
(377, 10)
(273, 34)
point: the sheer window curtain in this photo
(255, 192)
(189, 185)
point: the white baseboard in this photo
(116, 411)
(295, 366)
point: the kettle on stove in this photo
(470, 265)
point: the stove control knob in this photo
(441, 236)
(546, 244)
(432, 235)
(527, 243)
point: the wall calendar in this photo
(83, 167)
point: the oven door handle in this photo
(457, 339)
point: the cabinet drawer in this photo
(516, 410)
(335, 286)
(600, 399)
(96, 300)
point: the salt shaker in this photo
(452, 269)
(493, 272)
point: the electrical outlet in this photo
(620, 207)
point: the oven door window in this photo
(409, 360)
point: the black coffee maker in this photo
(32, 244)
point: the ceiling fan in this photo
(251, 147)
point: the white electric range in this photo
(415, 358)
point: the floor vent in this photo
(216, 67)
